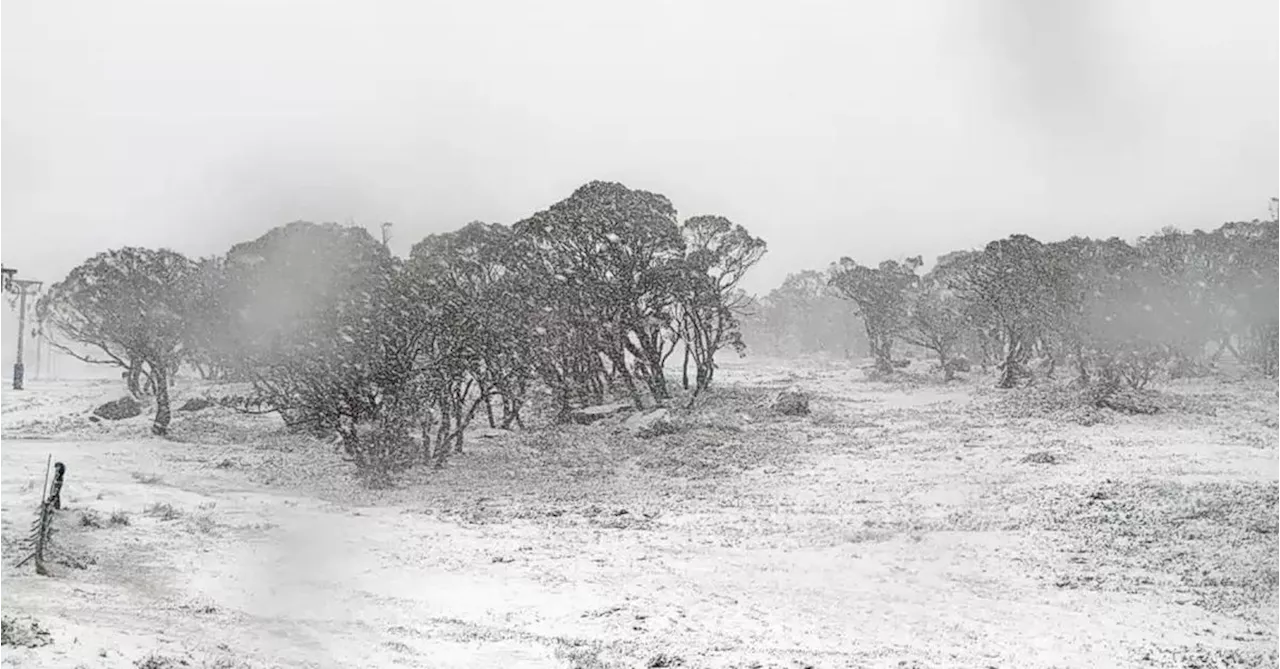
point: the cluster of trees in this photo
(586, 300)
(1112, 312)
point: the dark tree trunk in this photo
(883, 354)
(55, 490)
(488, 409)
(133, 377)
(630, 382)
(1013, 368)
(948, 372)
(159, 373)
(509, 410)
(684, 369)
(442, 435)
(427, 423)
(459, 423)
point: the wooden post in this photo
(55, 492)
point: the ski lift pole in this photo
(21, 287)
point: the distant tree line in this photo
(584, 302)
(1107, 312)
(804, 316)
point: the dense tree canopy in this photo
(586, 301)
(719, 255)
(129, 307)
(587, 298)
(881, 295)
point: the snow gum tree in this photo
(333, 336)
(882, 297)
(129, 307)
(719, 254)
(605, 258)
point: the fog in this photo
(573, 442)
(874, 130)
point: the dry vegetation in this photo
(901, 524)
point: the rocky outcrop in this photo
(125, 407)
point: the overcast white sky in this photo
(869, 129)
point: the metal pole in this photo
(22, 332)
(21, 287)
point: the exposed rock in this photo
(125, 407)
(196, 404)
(792, 402)
(589, 415)
(643, 423)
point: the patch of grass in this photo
(1042, 458)
(825, 419)
(145, 478)
(158, 661)
(659, 429)
(722, 426)
(1200, 657)
(202, 608)
(90, 518)
(163, 510)
(870, 535)
(399, 647)
(23, 632)
(1215, 543)
(581, 656)
(119, 518)
(76, 562)
(204, 524)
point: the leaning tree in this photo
(719, 254)
(881, 295)
(467, 275)
(1010, 279)
(603, 259)
(937, 320)
(131, 307)
(333, 337)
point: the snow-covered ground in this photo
(904, 524)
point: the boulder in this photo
(792, 402)
(196, 404)
(648, 423)
(125, 407)
(589, 415)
